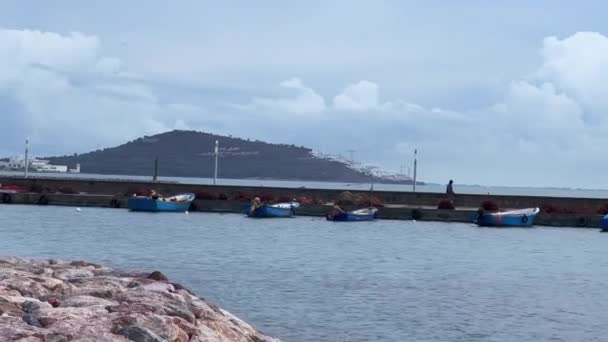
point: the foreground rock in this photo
(80, 301)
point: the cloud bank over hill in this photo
(548, 127)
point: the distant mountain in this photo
(190, 154)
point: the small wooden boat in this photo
(604, 224)
(7, 192)
(273, 210)
(366, 214)
(11, 189)
(178, 203)
(513, 218)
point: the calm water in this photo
(305, 279)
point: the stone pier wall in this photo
(557, 211)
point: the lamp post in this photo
(352, 155)
(216, 152)
(26, 152)
(415, 165)
(155, 177)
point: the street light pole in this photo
(155, 177)
(217, 152)
(26, 152)
(415, 165)
(352, 155)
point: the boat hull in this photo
(604, 224)
(354, 216)
(268, 211)
(159, 205)
(518, 218)
(11, 189)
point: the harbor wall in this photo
(315, 210)
(563, 205)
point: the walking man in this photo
(450, 190)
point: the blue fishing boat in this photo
(513, 218)
(604, 224)
(273, 210)
(366, 214)
(179, 203)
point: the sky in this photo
(494, 93)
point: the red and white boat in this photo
(11, 189)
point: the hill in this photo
(190, 154)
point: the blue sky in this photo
(496, 93)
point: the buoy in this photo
(414, 221)
(78, 209)
(187, 213)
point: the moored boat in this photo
(7, 192)
(273, 210)
(178, 203)
(512, 218)
(365, 214)
(604, 224)
(11, 189)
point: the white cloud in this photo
(109, 65)
(304, 100)
(134, 91)
(578, 66)
(60, 89)
(21, 48)
(539, 133)
(181, 125)
(63, 89)
(357, 97)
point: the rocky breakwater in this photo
(48, 300)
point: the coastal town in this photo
(19, 163)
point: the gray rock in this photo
(57, 338)
(157, 275)
(10, 309)
(139, 334)
(80, 263)
(83, 301)
(74, 273)
(31, 313)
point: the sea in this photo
(430, 187)
(307, 279)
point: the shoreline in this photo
(184, 180)
(44, 300)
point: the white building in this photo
(51, 168)
(16, 163)
(40, 165)
(36, 165)
(76, 169)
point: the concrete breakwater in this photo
(556, 211)
(50, 300)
